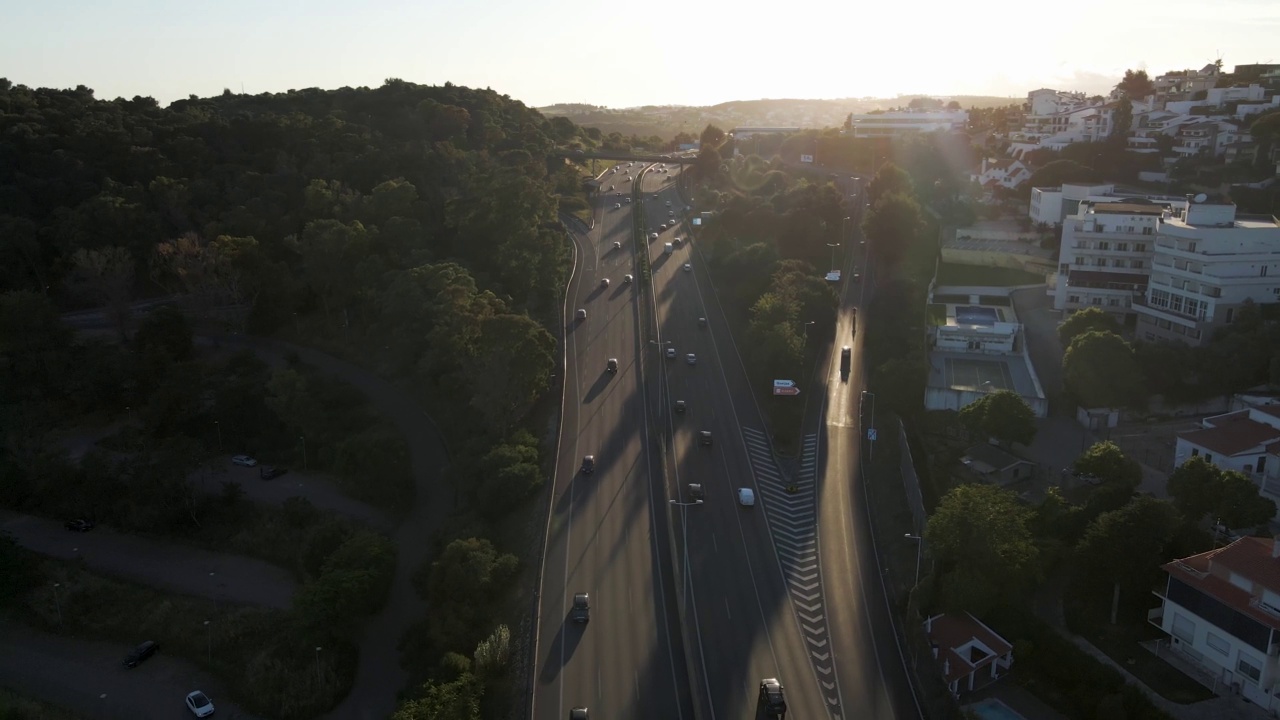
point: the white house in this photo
(1247, 441)
(970, 654)
(1006, 173)
(1221, 610)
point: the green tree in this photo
(1002, 415)
(1143, 528)
(893, 227)
(1105, 460)
(1100, 370)
(1083, 321)
(711, 137)
(511, 368)
(982, 547)
(889, 180)
(1200, 489)
(165, 335)
(457, 699)
(105, 276)
(463, 586)
(1136, 85)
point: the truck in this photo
(668, 248)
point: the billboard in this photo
(806, 158)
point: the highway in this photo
(606, 535)
(738, 606)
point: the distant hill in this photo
(666, 121)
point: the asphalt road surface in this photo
(870, 668)
(605, 536)
(745, 625)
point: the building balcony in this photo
(1143, 306)
(1139, 236)
(1178, 266)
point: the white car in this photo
(244, 461)
(668, 203)
(582, 314)
(199, 704)
(627, 279)
(617, 245)
(671, 213)
(653, 236)
(628, 201)
(746, 497)
(688, 267)
(617, 206)
(671, 352)
(691, 359)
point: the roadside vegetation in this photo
(14, 706)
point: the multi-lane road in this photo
(694, 603)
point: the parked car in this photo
(244, 461)
(581, 607)
(139, 655)
(199, 704)
(79, 525)
(271, 472)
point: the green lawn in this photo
(983, 275)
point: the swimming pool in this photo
(993, 709)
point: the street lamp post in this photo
(844, 232)
(684, 535)
(303, 438)
(833, 253)
(219, 428)
(871, 453)
(806, 331)
(919, 545)
(57, 603)
(319, 677)
(208, 634)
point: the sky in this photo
(657, 52)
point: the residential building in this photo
(1221, 610)
(1178, 83)
(1206, 265)
(1007, 173)
(977, 350)
(1053, 205)
(742, 133)
(1105, 257)
(1246, 441)
(990, 464)
(970, 654)
(906, 122)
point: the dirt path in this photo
(379, 677)
(178, 568)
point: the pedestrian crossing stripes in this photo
(789, 505)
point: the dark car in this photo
(588, 464)
(680, 407)
(581, 607)
(846, 354)
(269, 472)
(578, 713)
(79, 525)
(702, 322)
(704, 437)
(771, 697)
(612, 366)
(696, 492)
(140, 654)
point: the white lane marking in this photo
(726, 608)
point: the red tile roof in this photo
(952, 632)
(1248, 557)
(1232, 434)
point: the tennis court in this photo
(984, 374)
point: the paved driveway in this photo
(86, 677)
(178, 568)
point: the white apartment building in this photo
(1205, 266)
(1246, 441)
(1105, 257)
(1221, 610)
(1053, 205)
(1007, 173)
(905, 122)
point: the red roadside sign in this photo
(786, 390)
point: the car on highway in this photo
(79, 525)
(653, 236)
(581, 607)
(139, 655)
(746, 497)
(696, 493)
(628, 279)
(244, 461)
(668, 203)
(578, 713)
(582, 314)
(671, 352)
(617, 206)
(199, 704)
(680, 407)
(610, 187)
(691, 359)
(688, 267)
(627, 201)
(677, 241)
(604, 282)
(588, 464)
(702, 322)
(271, 472)
(612, 366)
(704, 437)
(671, 213)
(617, 245)
(772, 697)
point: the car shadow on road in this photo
(598, 386)
(569, 637)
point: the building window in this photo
(1183, 629)
(1120, 262)
(1150, 337)
(1208, 457)
(1148, 231)
(1195, 452)
(1261, 467)
(1231, 314)
(1141, 247)
(1264, 271)
(1100, 262)
(1095, 301)
(1122, 247)
(1114, 302)
(1138, 264)
(1217, 644)
(1248, 669)
(1106, 246)
(1073, 298)
(1080, 260)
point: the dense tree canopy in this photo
(1100, 370)
(980, 540)
(1002, 415)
